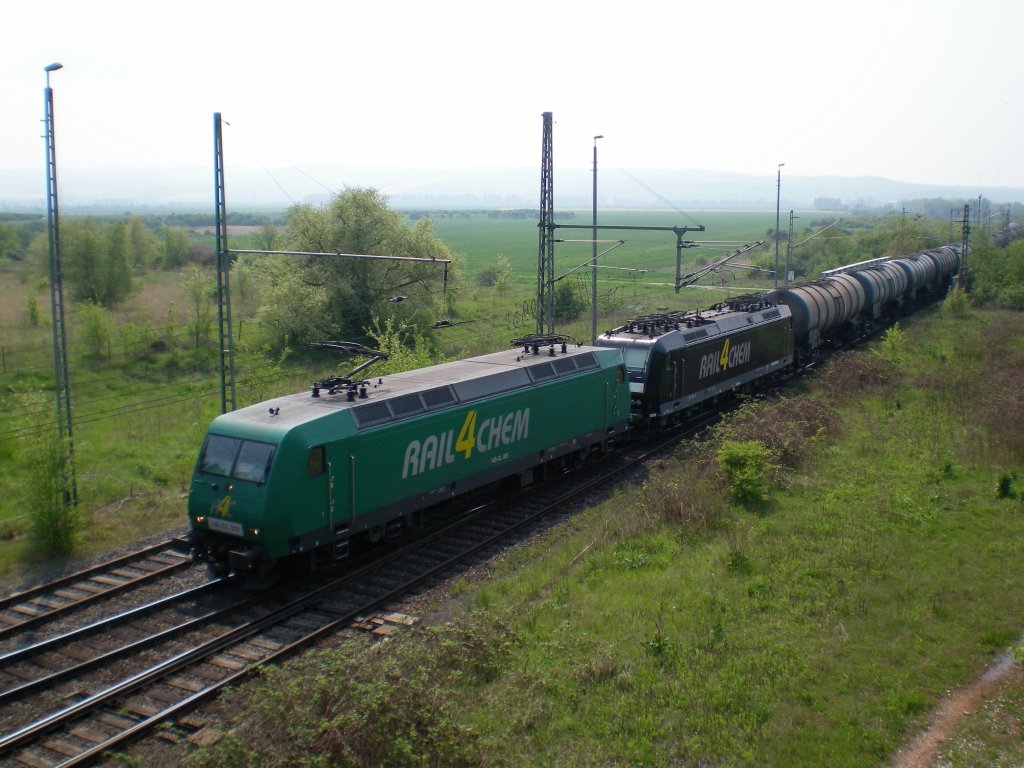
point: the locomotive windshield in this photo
(635, 358)
(236, 458)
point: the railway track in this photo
(31, 608)
(72, 698)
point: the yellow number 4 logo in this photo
(467, 435)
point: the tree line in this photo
(298, 298)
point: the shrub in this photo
(1004, 486)
(893, 346)
(359, 706)
(55, 521)
(97, 326)
(957, 303)
(747, 466)
(787, 427)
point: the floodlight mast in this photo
(65, 424)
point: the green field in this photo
(635, 278)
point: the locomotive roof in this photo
(422, 390)
(694, 327)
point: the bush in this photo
(55, 522)
(747, 466)
(97, 326)
(787, 427)
(957, 303)
(361, 705)
(894, 346)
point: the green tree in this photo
(95, 327)
(142, 243)
(118, 264)
(405, 351)
(502, 274)
(177, 245)
(267, 237)
(54, 525)
(358, 221)
(568, 304)
(893, 348)
(199, 289)
(293, 308)
(32, 310)
(95, 260)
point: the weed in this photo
(1004, 486)
(738, 562)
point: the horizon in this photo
(191, 189)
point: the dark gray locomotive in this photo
(678, 363)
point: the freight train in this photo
(298, 478)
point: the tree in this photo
(142, 243)
(177, 244)
(118, 264)
(94, 326)
(95, 259)
(200, 292)
(266, 237)
(568, 304)
(502, 274)
(358, 221)
(293, 308)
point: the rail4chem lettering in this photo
(476, 434)
(728, 358)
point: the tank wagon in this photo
(298, 477)
(678, 362)
(850, 302)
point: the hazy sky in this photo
(924, 91)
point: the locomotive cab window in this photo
(218, 455)
(635, 358)
(235, 458)
(253, 461)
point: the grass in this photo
(673, 625)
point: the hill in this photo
(141, 189)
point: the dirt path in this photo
(923, 749)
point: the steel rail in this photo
(110, 590)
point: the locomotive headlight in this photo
(254, 532)
(200, 518)
(229, 487)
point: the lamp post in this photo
(778, 198)
(60, 355)
(593, 255)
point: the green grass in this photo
(493, 319)
(671, 625)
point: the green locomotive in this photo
(300, 476)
